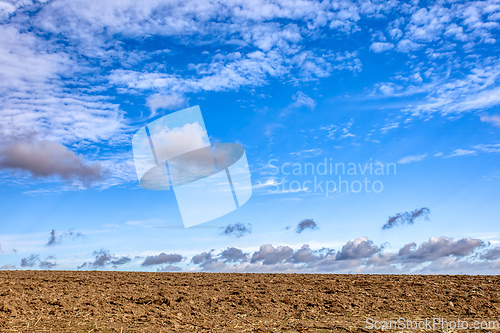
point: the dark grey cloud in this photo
(237, 230)
(103, 258)
(162, 258)
(492, 254)
(206, 261)
(120, 261)
(47, 158)
(306, 224)
(406, 218)
(358, 248)
(232, 254)
(55, 239)
(439, 247)
(34, 260)
(271, 256)
(306, 255)
(47, 264)
(202, 258)
(52, 238)
(30, 261)
(360, 255)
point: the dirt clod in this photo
(44, 301)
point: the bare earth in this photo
(43, 301)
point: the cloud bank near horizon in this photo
(438, 255)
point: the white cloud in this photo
(245, 45)
(167, 102)
(478, 101)
(178, 140)
(379, 47)
(387, 89)
(35, 102)
(389, 126)
(462, 152)
(488, 148)
(412, 158)
(407, 46)
(494, 119)
(300, 99)
(6, 9)
(306, 153)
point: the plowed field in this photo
(49, 301)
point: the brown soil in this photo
(42, 301)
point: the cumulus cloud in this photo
(492, 254)
(358, 255)
(358, 248)
(237, 229)
(379, 47)
(104, 258)
(494, 120)
(35, 99)
(30, 261)
(302, 100)
(162, 258)
(257, 42)
(167, 102)
(206, 261)
(308, 256)
(46, 158)
(232, 254)
(406, 218)
(270, 255)
(55, 239)
(34, 260)
(170, 142)
(305, 225)
(47, 264)
(439, 247)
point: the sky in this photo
(371, 131)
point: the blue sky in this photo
(410, 85)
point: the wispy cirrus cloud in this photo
(461, 152)
(412, 158)
(55, 238)
(81, 59)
